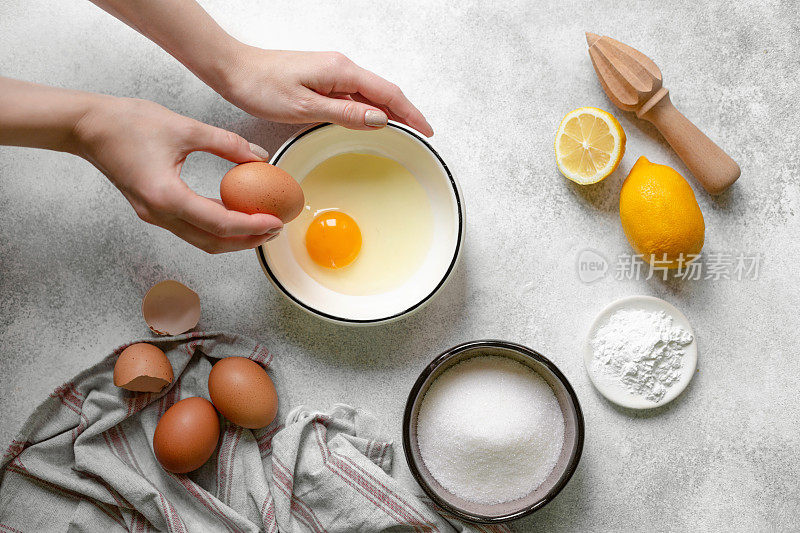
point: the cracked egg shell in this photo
(171, 308)
(262, 188)
(142, 367)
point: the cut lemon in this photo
(589, 145)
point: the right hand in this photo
(300, 87)
(141, 147)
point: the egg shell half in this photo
(171, 308)
(186, 435)
(262, 188)
(243, 392)
(142, 367)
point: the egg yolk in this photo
(333, 239)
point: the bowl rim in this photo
(571, 466)
(453, 261)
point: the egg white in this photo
(390, 207)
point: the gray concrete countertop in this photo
(494, 81)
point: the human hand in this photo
(292, 87)
(299, 87)
(141, 147)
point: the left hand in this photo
(141, 147)
(300, 87)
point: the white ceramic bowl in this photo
(310, 147)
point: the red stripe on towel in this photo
(386, 500)
(230, 440)
(110, 510)
(364, 472)
(265, 441)
(200, 494)
(268, 513)
(297, 507)
(15, 448)
(114, 443)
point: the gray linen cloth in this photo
(84, 462)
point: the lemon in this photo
(589, 145)
(660, 215)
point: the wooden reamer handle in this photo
(713, 168)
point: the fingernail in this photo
(272, 236)
(375, 119)
(274, 229)
(259, 152)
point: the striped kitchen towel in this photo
(84, 462)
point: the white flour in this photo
(642, 349)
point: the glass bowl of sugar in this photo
(492, 431)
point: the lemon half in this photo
(589, 145)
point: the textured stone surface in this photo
(494, 80)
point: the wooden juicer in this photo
(633, 82)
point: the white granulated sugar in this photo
(642, 349)
(490, 429)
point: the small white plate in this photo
(612, 388)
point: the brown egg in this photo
(186, 435)
(262, 188)
(243, 392)
(142, 367)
